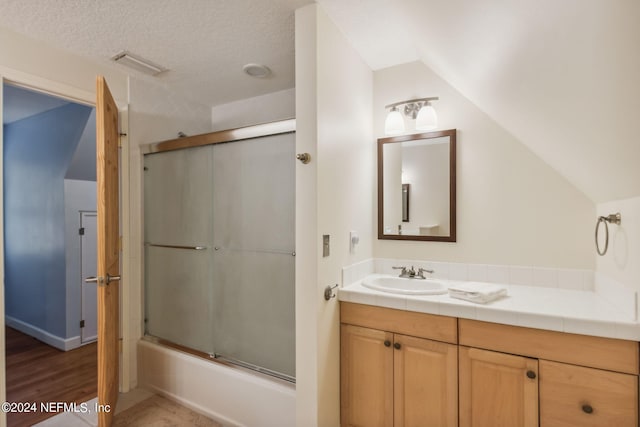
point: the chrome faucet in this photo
(411, 273)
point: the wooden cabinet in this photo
(425, 378)
(402, 368)
(586, 397)
(497, 389)
(366, 369)
(568, 395)
(393, 379)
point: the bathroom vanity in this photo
(416, 367)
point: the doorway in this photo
(49, 197)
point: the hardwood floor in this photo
(39, 373)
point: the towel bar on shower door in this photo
(194, 248)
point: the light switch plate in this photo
(325, 245)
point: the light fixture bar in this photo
(395, 104)
(137, 63)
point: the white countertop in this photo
(554, 309)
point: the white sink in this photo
(399, 285)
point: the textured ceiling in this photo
(562, 76)
(203, 43)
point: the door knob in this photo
(531, 374)
(101, 280)
(304, 157)
(387, 343)
(397, 346)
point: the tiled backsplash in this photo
(617, 294)
(507, 274)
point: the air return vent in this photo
(137, 63)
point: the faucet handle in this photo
(403, 273)
(421, 272)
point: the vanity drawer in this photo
(422, 325)
(578, 396)
(595, 352)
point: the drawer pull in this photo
(531, 374)
(397, 346)
(387, 343)
(587, 409)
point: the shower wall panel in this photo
(254, 298)
(178, 212)
(236, 298)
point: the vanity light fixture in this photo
(419, 109)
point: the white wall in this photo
(78, 196)
(334, 194)
(512, 207)
(252, 111)
(622, 260)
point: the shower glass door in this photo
(219, 251)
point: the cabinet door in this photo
(497, 389)
(578, 396)
(425, 383)
(366, 369)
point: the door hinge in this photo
(121, 135)
(82, 323)
(81, 231)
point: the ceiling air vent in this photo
(137, 63)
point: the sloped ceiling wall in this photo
(562, 76)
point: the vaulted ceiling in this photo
(562, 76)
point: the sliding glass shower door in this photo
(219, 251)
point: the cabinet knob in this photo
(387, 343)
(397, 346)
(531, 374)
(587, 409)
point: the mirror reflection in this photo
(417, 187)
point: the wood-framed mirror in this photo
(425, 163)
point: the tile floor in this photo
(78, 419)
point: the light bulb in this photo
(394, 124)
(427, 118)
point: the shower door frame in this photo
(219, 137)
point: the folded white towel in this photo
(477, 292)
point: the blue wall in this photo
(37, 153)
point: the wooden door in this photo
(497, 389)
(366, 367)
(425, 383)
(107, 135)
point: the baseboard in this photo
(64, 344)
